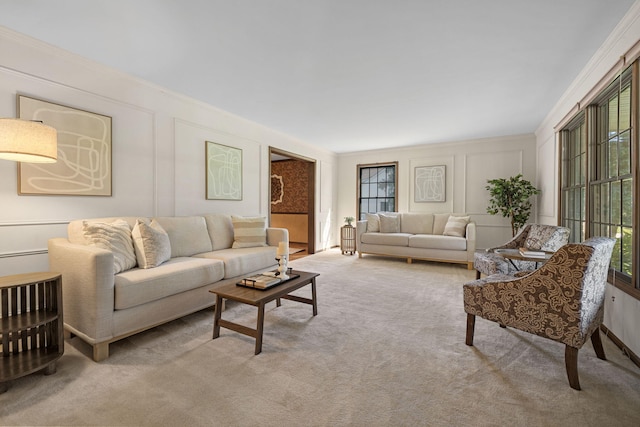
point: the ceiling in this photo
(346, 75)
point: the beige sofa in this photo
(433, 237)
(101, 306)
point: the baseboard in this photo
(634, 358)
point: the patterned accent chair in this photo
(532, 236)
(563, 300)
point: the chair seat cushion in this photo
(139, 286)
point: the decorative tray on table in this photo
(264, 280)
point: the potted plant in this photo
(510, 198)
(349, 220)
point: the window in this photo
(597, 180)
(574, 168)
(377, 186)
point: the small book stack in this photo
(530, 253)
(260, 281)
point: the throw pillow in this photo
(373, 223)
(249, 232)
(114, 237)
(151, 243)
(456, 226)
(389, 223)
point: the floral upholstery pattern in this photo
(533, 236)
(563, 300)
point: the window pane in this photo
(613, 116)
(625, 109)
(616, 208)
(627, 202)
(624, 145)
(627, 241)
(364, 190)
(613, 158)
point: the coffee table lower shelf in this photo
(259, 298)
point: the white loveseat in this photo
(101, 306)
(433, 237)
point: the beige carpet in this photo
(386, 349)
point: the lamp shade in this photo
(27, 141)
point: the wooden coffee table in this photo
(258, 298)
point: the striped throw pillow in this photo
(456, 226)
(249, 232)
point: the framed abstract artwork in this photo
(84, 152)
(430, 183)
(224, 172)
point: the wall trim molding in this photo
(36, 223)
(23, 253)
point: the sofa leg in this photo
(100, 351)
(469, 266)
(409, 260)
(597, 344)
(471, 325)
(571, 363)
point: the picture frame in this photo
(430, 184)
(223, 172)
(84, 166)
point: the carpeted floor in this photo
(386, 349)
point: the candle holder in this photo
(282, 267)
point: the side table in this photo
(31, 325)
(348, 239)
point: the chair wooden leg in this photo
(571, 363)
(477, 274)
(597, 344)
(471, 324)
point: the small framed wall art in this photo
(84, 152)
(430, 183)
(224, 172)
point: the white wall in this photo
(622, 312)
(469, 164)
(158, 152)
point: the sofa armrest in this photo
(277, 235)
(361, 228)
(470, 235)
(87, 287)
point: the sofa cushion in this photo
(139, 286)
(440, 222)
(435, 241)
(389, 223)
(416, 223)
(373, 222)
(114, 237)
(241, 261)
(456, 226)
(220, 230)
(390, 239)
(188, 234)
(151, 243)
(249, 232)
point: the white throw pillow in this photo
(456, 226)
(389, 223)
(249, 232)
(151, 243)
(114, 237)
(373, 223)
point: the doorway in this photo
(292, 199)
